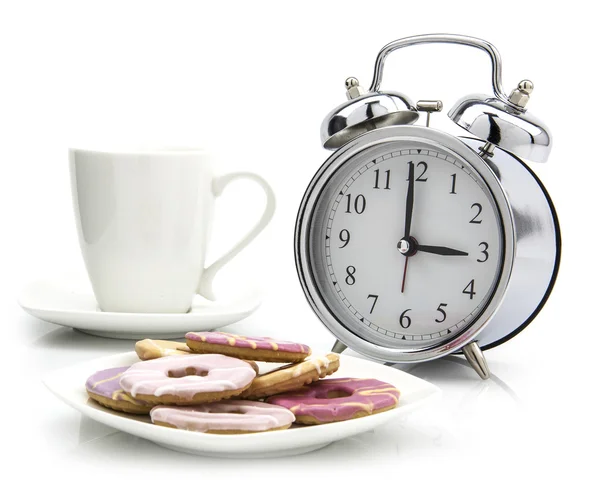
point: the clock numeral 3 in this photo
(441, 310)
(360, 203)
(344, 237)
(420, 178)
(405, 320)
(387, 179)
(484, 251)
(479, 210)
(470, 289)
(350, 279)
(376, 297)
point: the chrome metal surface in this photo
(403, 246)
(311, 205)
(521, 94)
(537, 253)
(444, 39)
(338, 347)
(429, 107)
(497, 122)
(476, 359)
(353, 88)
(364, 113)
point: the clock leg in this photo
(338, 347)
(476, 359)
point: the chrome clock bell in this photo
(412, 243)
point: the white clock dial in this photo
(453, 253)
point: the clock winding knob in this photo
(353, 88)
(520, 95)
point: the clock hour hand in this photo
(435, 249)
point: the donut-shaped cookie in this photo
(103, 387)
(250, 348)
(187, 379)
(149, 349)
(333, 400)
(291, 377)
(225, 417)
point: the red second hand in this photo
(404, 276)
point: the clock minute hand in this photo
(410, 199)
(435, 249)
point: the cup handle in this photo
(205, 288)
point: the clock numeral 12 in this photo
(387, 179)
(420, 178)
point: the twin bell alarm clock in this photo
(411, 243)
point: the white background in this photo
(253, 80)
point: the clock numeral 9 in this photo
(484, 251)
(360, 203)
(405, 320)
(470, 289)
(420, 178)
(440, 309)
(350, 279)
(344, 237)
(479, 210)
(387, 179)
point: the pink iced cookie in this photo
(103, 387)
(225, 417)
(248, 348)
(331, 400)
(187, 379)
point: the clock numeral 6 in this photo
(344, 237)
(484, 251)
(360, 203)
(441, 310)
(470, 289)
(405, 320)
(350, 279)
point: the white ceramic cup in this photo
(144, 219)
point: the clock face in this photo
(407, 244)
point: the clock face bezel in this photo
(305, 224)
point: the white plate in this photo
(68, 385)
(71, 303)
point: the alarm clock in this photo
(412, 243)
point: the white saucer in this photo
(67, 384)
(72, 304)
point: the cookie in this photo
(103, 387)
(187, 379)
(331, 400)
(292, 377)
(250, 348)
(149, 349)
(225, 417)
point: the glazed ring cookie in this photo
(103, 387)
(187, 379)
(292, 377)
(149, 349)
(251, 348)
(225, 417)
(333, 400)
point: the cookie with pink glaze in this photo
(224, 417)
(331, 400)
(249, 348)
(187, 379)
(104, 388)
(292, 377)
